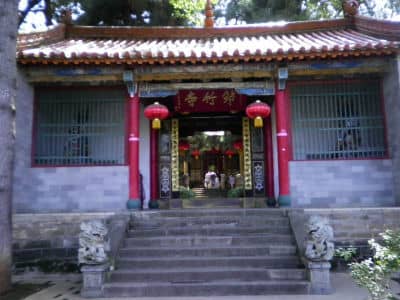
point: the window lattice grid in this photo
(337, 120)
(82, 127)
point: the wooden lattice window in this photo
(334, 120)
(79, 127)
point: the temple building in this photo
(301, 114)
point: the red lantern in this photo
(257, 111)
(184, 146)
(238, 145)
(230, 153)
(196, 153)
(156, 112)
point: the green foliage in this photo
(254, 11)
(185, 193)
(131, 12)
(189, 12)
(374, 273)
(347, 254)
(235, 193)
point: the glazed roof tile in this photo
(298, 40)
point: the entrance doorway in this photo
(211, 156)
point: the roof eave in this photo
(278, 57)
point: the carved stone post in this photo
(319, 251)
(319, 276)
(92, 256)
(93, 280)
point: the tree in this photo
(253, 11)
(256, 11)
(8, 82)
(123, 12)
(119, 12)
(189, 12)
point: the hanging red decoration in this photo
(214, 151)
(238, 145)
(183, 146)
(156, 112)
(257, 111)
(196, 153)
(229, 153)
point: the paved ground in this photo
(68, 287)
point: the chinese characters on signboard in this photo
(209, 100)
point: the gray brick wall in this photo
(391, 90)
(67, 189)
(70, 189)
(342, 183)
(44, 237)
(354, 225)
(351, 226)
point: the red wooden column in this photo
(282, 129)
(269, 159)
(153, 167)
(134, 201)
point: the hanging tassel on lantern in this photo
(258, 122)
(156, 123)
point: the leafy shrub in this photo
(185, 192)
(374, 273)
(235, 193)
(346, 254)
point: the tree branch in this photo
(23, 13)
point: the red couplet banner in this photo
(226, 100)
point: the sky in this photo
(36, 21)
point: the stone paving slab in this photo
(68, 287)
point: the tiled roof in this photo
(292, 41)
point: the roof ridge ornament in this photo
(350, 8)
(66, 17)
(209, 20)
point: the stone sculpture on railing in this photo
(93, 243)
(319, 251)
(319, 246)
(93, 257)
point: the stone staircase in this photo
(199, 192)
(203, 252)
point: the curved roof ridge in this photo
(52, 35)
(381, 28)
(201, 32)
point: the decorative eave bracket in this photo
(131, 85)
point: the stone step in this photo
(206, 274)
(198, 288)
(204, 201)
(214, 212)
(209, 231)
(226, 221)
(278, 261)
(200, 252)
(208, 251)
(187, 241)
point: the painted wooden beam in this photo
(157, 94)
(234, 72)
(257, 70)
(157, 87)
(256, 92)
